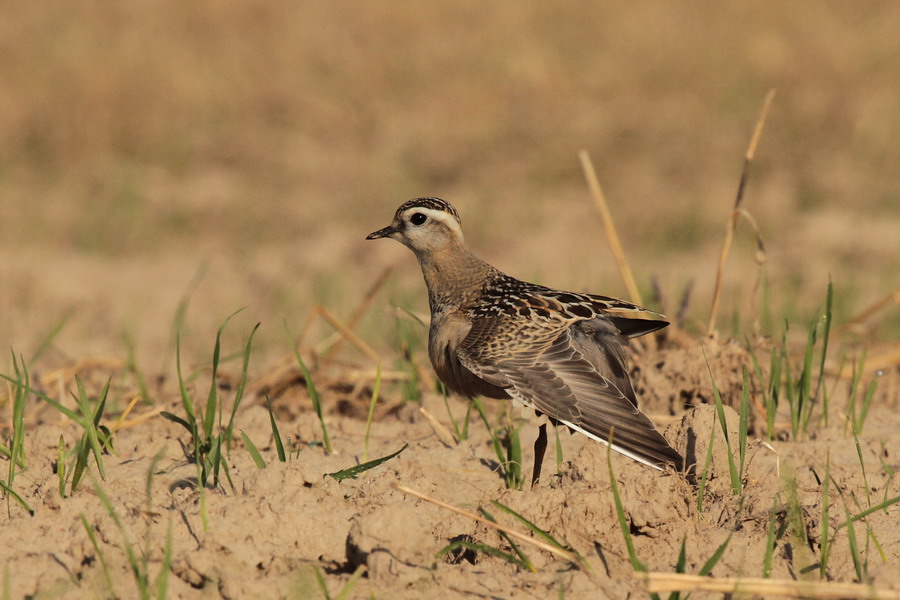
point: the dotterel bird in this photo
(560, 353)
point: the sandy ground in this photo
(265, 534)
(170, 157)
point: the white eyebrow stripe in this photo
(438, 215)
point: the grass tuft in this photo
(507, 447)
(276, 434)
(636, 563)
(375, 390)
(772, 536)
(312, 390)
(735, 474)
(16, 450)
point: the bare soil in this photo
(265, 534)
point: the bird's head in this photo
(424, 225)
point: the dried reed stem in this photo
(439, 428)
(877, 307)
(609, 227)
(736, 211)
(361, 309)
(125, 413)
(660, 583)
(348, 333)
(510, 532)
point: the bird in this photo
(557, 352)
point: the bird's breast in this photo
(446, 333)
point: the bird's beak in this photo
(382, 233)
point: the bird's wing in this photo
(539, 363)
(630, 319)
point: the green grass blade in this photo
(636, 564)
(276, 435)
(7, 452)
(736, 483)
(854, 549)
(345, 592)
(534, 528)
(854, 384)
(19, 400)
(132, 365)
(704, 476)
(213, 406)
(826, 332)
(321, 579)
(495, 438)
(867, 402)
(465, 425)
(176, 419)
(559, 451)
(710, 564)
(61, 466)
(682, 556)
(62, 409)
(93, 419)
(496, 552)
(82, 449)
(805, 400)
(743, 421)
(212, 399)
(201, 489)
(239, 393)
(772, 392)
(19, 500)
(186, 400)
(443, 390)
(513, 450)
(824, 545)
(869, 511)
(523, 558)
(254, 453)
(162, 579)
(352, 472)
(90, 439)
(862, 469)
(140, 577)
(52, 334)
(93, 538)
(226, 469)
(680, 565)
(311, 390)
(100, 408)
(181, 311)
(375, 390)
(217, 459)
(771, 538)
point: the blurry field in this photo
(165, 164)
(142, 141)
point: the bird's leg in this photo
(540, 447)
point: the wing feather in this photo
(541, 365)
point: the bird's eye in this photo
(418, 219)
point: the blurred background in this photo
(249, 147)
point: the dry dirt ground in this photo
(165, 163)
(264, 536)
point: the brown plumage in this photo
(560, 353)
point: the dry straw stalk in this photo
(736, 211)
(660, 583)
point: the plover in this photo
(560, 353)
